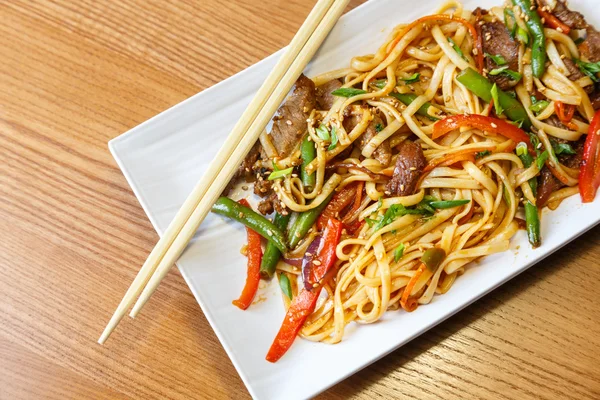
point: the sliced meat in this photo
(289, 125)
(262, 186)
(270, 204)
(383, 153)
(325, 99)
(246, 169)
(590, 47)
(409, 167)
(497, 41)
(547, 184)
(574, 71)
(572, 19)
(595, 98)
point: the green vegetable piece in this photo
(323, 132)
(590, 69)
(498, 59)
(457, 49)
(532, 220)
(285, 285)
(482, 154)
(280, 174)
(399, 252)
(536, 29)
(442, 205)
(563, 148)
(432, 258)
(304, 222)
(348, 92)
(334, 138)
(482, 88)
(541, 160)
(308, 154)
(413, 78)
(495, 97)
(231, 209)
(408, 98)
(272, 253)
(537, 106)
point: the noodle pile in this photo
(371, 278)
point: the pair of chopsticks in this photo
(245, 133)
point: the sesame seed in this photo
(413, 168)
(559, 29)
(315, 285)
(270, 233)
(317, 262)
(241, 215)
(402, 188)
(543, 20)
(494, 125)
(288, 122)
(298, 235)
(539, 146)
(308, 254)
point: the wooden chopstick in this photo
(215, 169)
(246, 143)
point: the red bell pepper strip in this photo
(304, 303)
(553, 22)
(488, 124)
(589, 175)
(254, 259)
(338, 203)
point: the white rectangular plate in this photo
(164, 157)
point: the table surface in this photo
(74, 75)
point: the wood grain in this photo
(72, 235)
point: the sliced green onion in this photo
(399, 252)
(432, 258)
(442, 205)
(412, 79)
(348, 92)
(522, 149)
(497, 106)
(323, 133)
(482, 154)
(522, 36)
(457, 49)
(498, 59)
(334, 138)
(563, 148)
(380, 83)
(280, 174)
(541, 160)
(378, 127)
(285, 285)
(537, 106)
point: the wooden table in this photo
(74, 75)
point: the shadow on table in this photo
(372, 374)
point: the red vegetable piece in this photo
(304, 303)
(494, 125)
(254, 259)
(589, 175)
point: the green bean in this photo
(308, 153)
(272, 253)
(536, 28)
(231, 209)
(304, 222)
